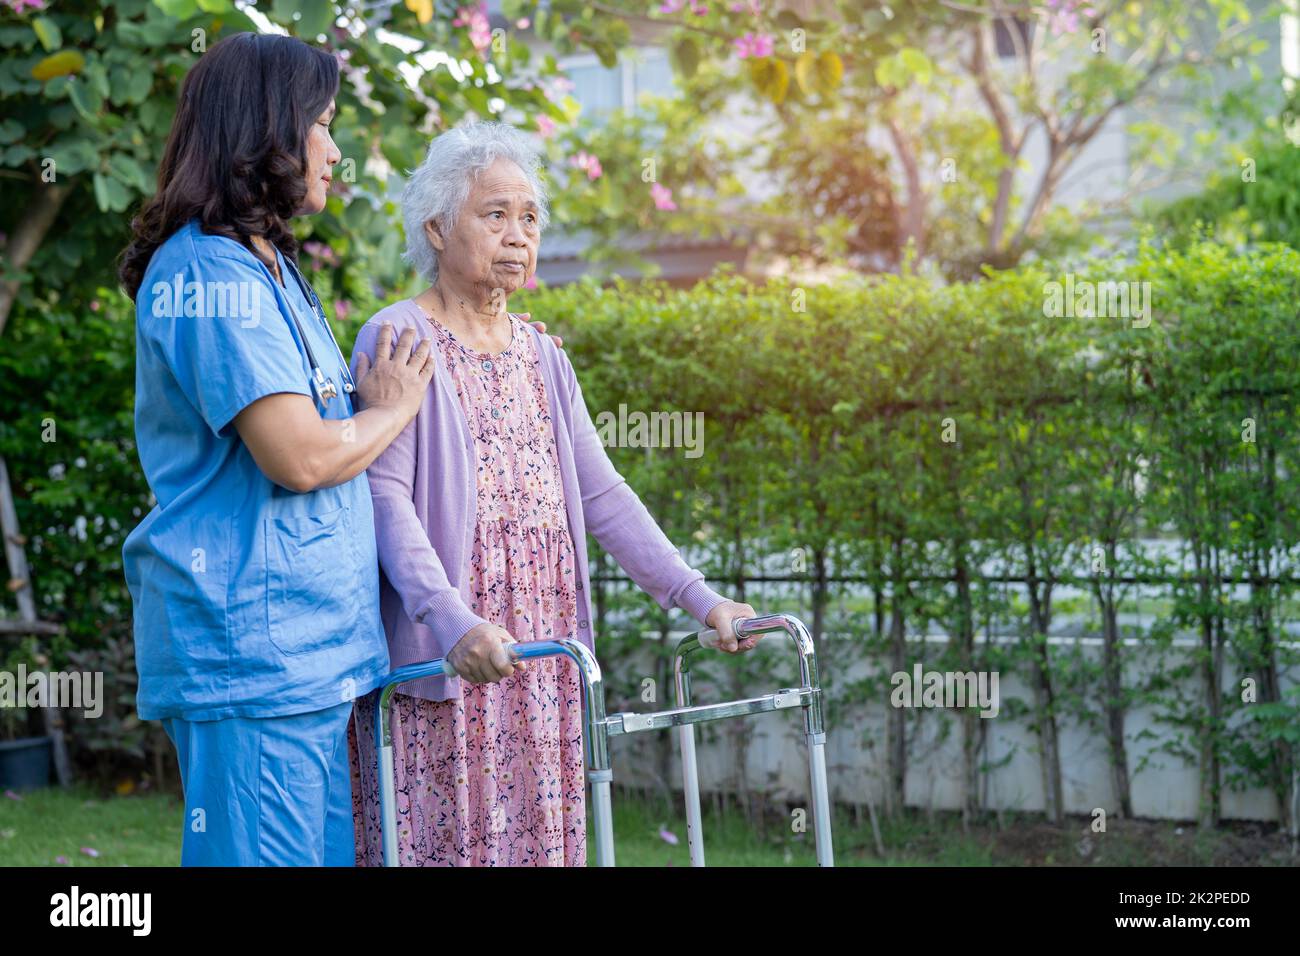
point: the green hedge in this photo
(1073, 442)
(883, 457)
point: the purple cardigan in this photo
(424, 491)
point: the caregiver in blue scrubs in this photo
(254, 578)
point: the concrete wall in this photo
(1167, 789)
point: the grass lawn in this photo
(53, 828)
(46, 825)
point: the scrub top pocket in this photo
(312, 572)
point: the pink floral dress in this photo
(495, 777)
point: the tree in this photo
(888, 124)
(88, 92)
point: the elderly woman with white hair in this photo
(482, 508)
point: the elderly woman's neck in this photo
(466, 308)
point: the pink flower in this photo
(752, 44)
(480, 35)
(545, 127)
(662, 196)
(90, 851)
(342, 309)
(698, 7)
(94, 305)
(18, 5)
(465, 14)
(588, 162)
(13, 796)
(522, 23)
(752, 6)
(532, 282)
(476, 18)
(320, 253)
(1063, 15)
(61, 860)
(667, 835)
(556, 86)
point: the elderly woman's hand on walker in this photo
(482, 656)
(723, 619)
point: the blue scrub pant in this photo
(266, 791)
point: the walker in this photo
(599, 728)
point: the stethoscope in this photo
(322, 385)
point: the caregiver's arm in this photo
(299, 450)
(621, 523)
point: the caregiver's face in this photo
(322, 155)
(494, 243)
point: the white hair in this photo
(437, 189)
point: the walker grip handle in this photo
(711, 639)
(449, 671)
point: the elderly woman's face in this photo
(494, 243)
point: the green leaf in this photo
(73, 154)
(818, 73)
(130, 86)
(11, 131)
(313, 17)
(889, 72)
(909, 65)
(917, 64)
(128, 171)
(180, 9)
(317, 18)
(110, 195)
(154, 115)
(86, 99)
(685, 56)
(16, 155)
(63, 63)
(131, 34)
(771, 77)
(160, 32)
(47, 31)
(97, 76)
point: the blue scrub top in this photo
(250, 600)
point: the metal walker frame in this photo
(598, 728)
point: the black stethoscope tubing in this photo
(321, 384)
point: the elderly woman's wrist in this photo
(449, 618)
(698, 599)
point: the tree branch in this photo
(35, 222)
(1010, 140)
(914, 212)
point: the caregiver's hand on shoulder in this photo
(723, 617)
(541, 327)
(482, 656)
(298, 449)
(398, 377)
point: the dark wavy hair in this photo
(236, 156)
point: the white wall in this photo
(1168, 789)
